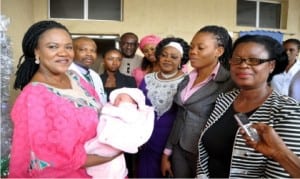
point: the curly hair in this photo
(183, 43)
(27, 68)
(273, 47)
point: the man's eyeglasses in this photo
(248, 61)
(130, 44)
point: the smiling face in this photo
(129, 44)
(204, 50)
(85, 52)
(169, 60)
(251, 77)
(54, 51)
(149, 52)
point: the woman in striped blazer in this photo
(223, 151)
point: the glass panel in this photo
(66, 9)
(270, 15)
(246, 13)
(105, 9)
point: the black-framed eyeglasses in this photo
(248, 61)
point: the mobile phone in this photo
(245, 124)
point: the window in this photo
(86, 9)
(261, 13)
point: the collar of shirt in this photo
(190, 89)
(194, 73)
(82, 69)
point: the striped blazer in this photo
(280, 112)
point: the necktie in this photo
(88, 78)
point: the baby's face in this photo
(122, 97)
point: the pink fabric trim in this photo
(54, 129)
(167, 152)
(138, 75)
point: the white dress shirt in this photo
(282, 81)
(97, 82)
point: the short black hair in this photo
(111, 49)
(294, 41)
(185, 46)
(127, 34)
(273, 47)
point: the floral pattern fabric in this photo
(50, 130)
(161, 92)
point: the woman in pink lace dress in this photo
(56, 111)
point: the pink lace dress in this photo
(50, 128)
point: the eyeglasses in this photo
(248, 61)
(130, 44)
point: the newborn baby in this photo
(125, 124)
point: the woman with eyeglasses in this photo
(223, 149)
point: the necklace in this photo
(167, 76)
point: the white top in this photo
(128, 64)
(295, 86)
(161, 92)
(96, 80)
(282, 81)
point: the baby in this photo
(125, 124)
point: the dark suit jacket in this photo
(121, 81)
(194, 112)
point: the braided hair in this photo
(185, 47)
(223, 39)
(27, 68)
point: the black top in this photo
(121, 81)
(218, 142)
